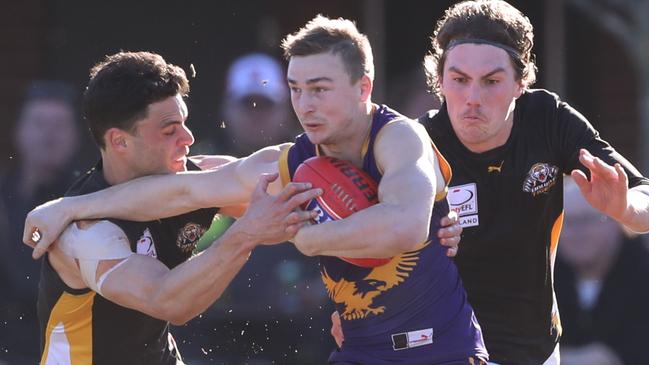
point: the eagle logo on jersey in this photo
(540, 178)
(358, 296)
(188, 237)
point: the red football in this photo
(346, 189)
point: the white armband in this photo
(100, 241)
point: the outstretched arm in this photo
(145, 284)
(152, 197)
(608, 191)
(400, 221)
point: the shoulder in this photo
(89, 182)
(401, 131)
(269, 154)
(95, 240)
(210, 162)
(540, 97)
(401, 140)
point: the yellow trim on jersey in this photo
(554, 238)
(447, 172)
(282, 166)
(554, 243)
(70, 321)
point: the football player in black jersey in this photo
(109, 289)
(509, 147)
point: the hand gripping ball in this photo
(346, 189)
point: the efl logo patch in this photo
(145, 245)
(540, 179)
(325, 213)
(463, 200)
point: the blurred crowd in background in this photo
(276, 310)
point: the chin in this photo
(176, 167)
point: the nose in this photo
(186, 137)
(474, 94)
(303, 103)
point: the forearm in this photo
(636, 217)
(382, 230)
(159, 196)
(192, 287)
(142, 199)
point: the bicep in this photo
(408, 162)
(107, 265)
(132, 282)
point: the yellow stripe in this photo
(554, 243)
(282, 164)
(447, 172)
(554, 238)
(74, 312)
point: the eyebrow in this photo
(169, 122)
(491, 73)
(312, 81)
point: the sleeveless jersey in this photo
(411, 310)
(80, 327)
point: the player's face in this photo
(480, 88)
(161, 141)
(324, 98)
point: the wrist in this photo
(303, 244)
(69, 208)
(243, 240)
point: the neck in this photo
(116, 171)
(350, 148)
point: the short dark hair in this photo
(122, 87)
(337, 36)
(493, 21)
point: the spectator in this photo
(255, 107)
(601, 277)
(46, 138)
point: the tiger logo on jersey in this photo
(188, 236)
(540, 179)
(358, 296)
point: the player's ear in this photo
(366, 86)
(520, 87)
(117, 139)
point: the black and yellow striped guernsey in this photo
(510, 203)
(81, 327)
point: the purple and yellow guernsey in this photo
(412, 310)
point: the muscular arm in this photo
(159, 196)
(145, 284)
(153, 197)
(400, 221)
